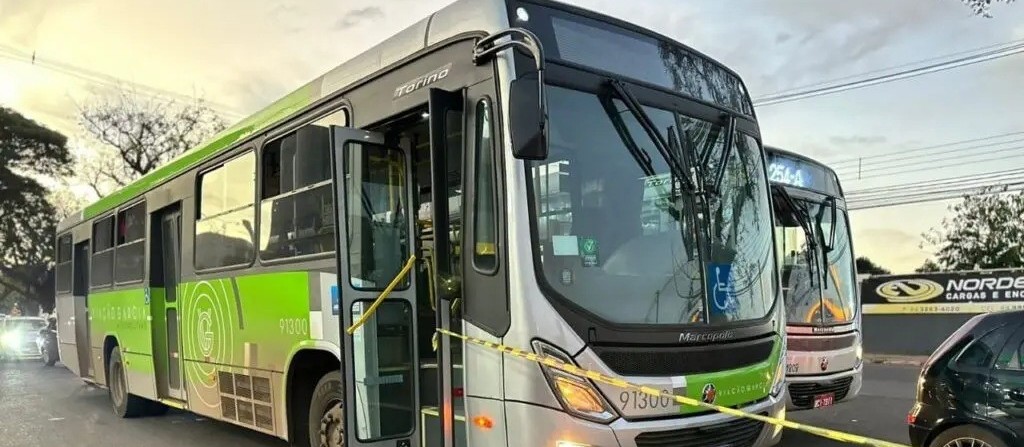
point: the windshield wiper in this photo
(730, 132)
(677, 166)
(642, 158)
(803, 219)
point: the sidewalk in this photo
(894, 359)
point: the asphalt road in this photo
(46, 407)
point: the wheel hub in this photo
(332, 427)
(967, 442)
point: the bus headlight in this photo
(577, 395)
(779, 381)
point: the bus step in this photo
(174, 403)
(430, 421)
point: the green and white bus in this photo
(819, 282)
(599, 193)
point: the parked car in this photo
(970, 392)
(18, 337)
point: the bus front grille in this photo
(684, 360)
(803, 393)
(820, 342)
(734, 433)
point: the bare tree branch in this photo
(137, 134)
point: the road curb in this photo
(905, 360)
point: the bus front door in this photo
(164, 276)
(375, 243)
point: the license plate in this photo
(824, 400)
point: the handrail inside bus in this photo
(384, 294)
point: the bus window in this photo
(63, 267)
(102, 252)
(131, 238)
(376, 204)
(296, 208)
(485, 253)
(224, 229)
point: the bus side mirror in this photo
(528, 117)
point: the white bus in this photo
(601, 197)
(823, 324)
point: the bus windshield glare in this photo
(627, 246)
(803, 284)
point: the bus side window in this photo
(485, 243)
(224, 227)
(63, 267)
(131, 249)
(296, 202)
(102, 268)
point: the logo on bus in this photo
(705, 337)
(709, 393)
(909, 290)
(824, 363)
(422, 81)
(205, 333)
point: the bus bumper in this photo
(544, 427)
(841, 386)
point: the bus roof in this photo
(460, 17)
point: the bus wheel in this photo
(125, 404)
(326, 415)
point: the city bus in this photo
(489, 171)
(824, 361)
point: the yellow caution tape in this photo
(614, 381)
(380, 298)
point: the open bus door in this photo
(396, 391)
(374, 246)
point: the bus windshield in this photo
(822, 294)
(625, 244)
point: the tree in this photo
(929, 266)
(981, 7)
(867, 266)
(985, 231)
(136, 134)
(27, 218)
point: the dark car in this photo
(971, 390)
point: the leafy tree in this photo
(866, 266)
(27, 218)
(929, 266)
(985, 231)
(981, 7)
(136, 134)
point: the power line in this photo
(871, 162)
(933, 197)
(1011, 173)
(103, 79)
(893, 67)
(858, 160)
(932, 190)
(895, 76)
(957, 159)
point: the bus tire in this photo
(125, 404)
(326, 415)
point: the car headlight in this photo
(11, 339)
(578, 395)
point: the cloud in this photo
(783, 37)
(358, 16)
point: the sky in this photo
(242, 54)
